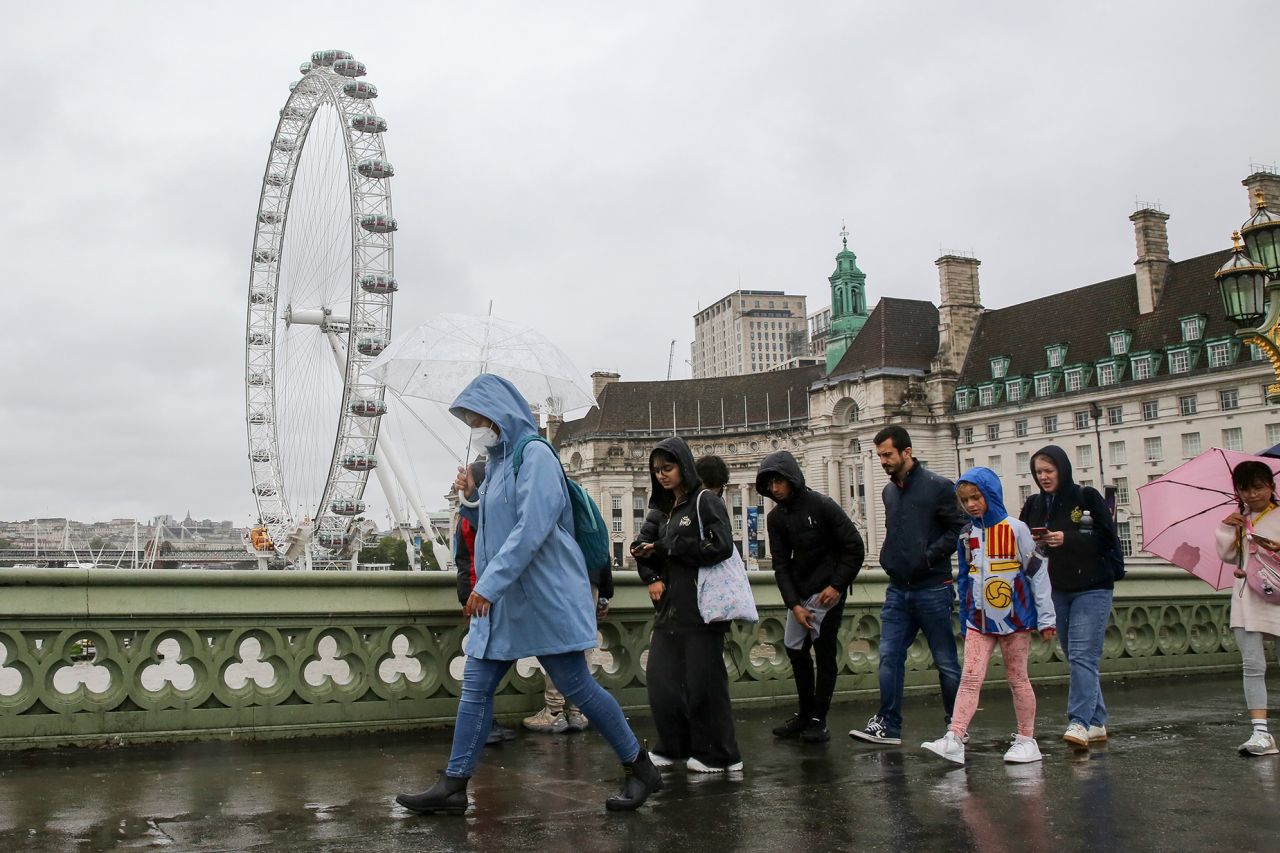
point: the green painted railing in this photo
(104, 656)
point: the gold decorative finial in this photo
(1235, 239)
(1261, 199)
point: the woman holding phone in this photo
(1255, 529)
(1082, 582)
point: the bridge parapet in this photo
(95, 657)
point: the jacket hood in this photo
(779, 464)
(1063, 463)
(499, 401)
(992, 490)
(677, 447)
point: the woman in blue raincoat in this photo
(532, 597)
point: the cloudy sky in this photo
(598, 171)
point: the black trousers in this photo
(815, 693)
(689, 697)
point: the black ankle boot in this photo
(640, 779)
(446, 796)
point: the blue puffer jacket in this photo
(1002, 584)
(527, 562)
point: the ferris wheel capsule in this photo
(359, 461)
(275, 179)
(369, 124)
(334, 540)
(261, 380)
(346, 507)
(260, 339)
(260, 456)
(259, 418)
(294, 111)
(359, 89)
(264, 490)
(284, 145)
(262, 297)
(270, 217)
(348, 67)
(265, 256)
(378, 223)
(326, 58)
(368, 408)
(378, 284)
(371, 346)
(305, 67)
(375, 168)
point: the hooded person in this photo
(817, 552)
(1082, 581)
(686, 530)
(1004, 596)
(532, 597)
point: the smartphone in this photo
(1269, 544)
(1038, 532)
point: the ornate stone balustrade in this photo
(104, 656)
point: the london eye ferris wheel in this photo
(321, 285)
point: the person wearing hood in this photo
(1082, 582)
(532, 598)
(817, 553)
(1004, 596)
(687, 529)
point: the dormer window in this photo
(1055, 354)
(964, 399)
(999, 367)
(989, 394)
(1143, 365)
(1014, 390)
(1192, 327)
(1046, 383)
(1075, 377)
(1119, 341)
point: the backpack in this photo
(589, 530)
(1110, 553)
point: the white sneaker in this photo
(1023, 751)
(545, 721)
(660, 760)
(1097, 734)
(1076, 735)
(696, 766)
(947, 747)
(1262, 743)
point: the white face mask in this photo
(482, 438)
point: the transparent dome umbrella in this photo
(436, 360)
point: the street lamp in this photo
(1249, 283)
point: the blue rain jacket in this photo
(527, 562)
(1002, 584)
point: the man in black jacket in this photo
(817, 553)
(922, 521)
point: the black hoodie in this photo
(1077, 564)
(813, 543)
(679, 551)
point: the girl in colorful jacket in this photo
(1004, 596)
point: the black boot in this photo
(446, 796)
(792, 727)
(640, 780)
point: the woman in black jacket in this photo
(687, 681)
(1082, 582)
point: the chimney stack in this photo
(958, 313)
(601, 378)
(1153, 256)
(1269, 184)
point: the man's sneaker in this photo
(791, 728)
(1076, 735)
(659, 760)
(576, 721)
(1097, 734)
(876, 732)
(1023, 751)
(696, 766)
(1262, 743)
(815, 731)
(947, 747)
(545, 721)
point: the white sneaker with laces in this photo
(1262, 743)
(948, 747)
(1076, 735)
(1097, 734)
(660, 760)
(697, 766)
(1024, 750)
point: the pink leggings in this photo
(977, 655)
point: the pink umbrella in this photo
(1182, 510)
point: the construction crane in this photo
(671, 359)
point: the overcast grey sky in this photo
(596, 170)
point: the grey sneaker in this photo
(1262, 743)
(545, 721)
(576, 721)
(877, 732)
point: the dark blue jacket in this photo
(922, 520)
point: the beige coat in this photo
(1248, 610)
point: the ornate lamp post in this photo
(1250, 286)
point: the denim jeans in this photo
(1082, 624)
(907, 612)
(480, 681)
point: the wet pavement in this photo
(1169, 779)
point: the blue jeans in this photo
(907, 612)
(480, 680)
(1082, 624)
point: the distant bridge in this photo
(123, 557)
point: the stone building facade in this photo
(748, 331)
(1131, 376)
